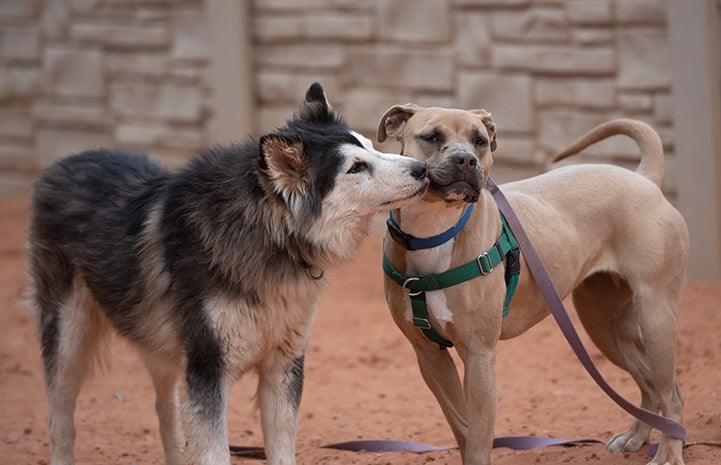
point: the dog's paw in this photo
(670, 452)
(631, 441)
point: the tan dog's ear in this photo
(490, 126)
(394, 119)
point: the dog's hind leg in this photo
(604, 305)
(72, 330)
(653, 357)
(637, 332)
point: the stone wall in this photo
(547, 69)
(82, 73)
(78, 74)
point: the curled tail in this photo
(648, 140)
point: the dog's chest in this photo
(430, 261)
(281, 322)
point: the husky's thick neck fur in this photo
(280, 193)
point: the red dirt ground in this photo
(361, 382)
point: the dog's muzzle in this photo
(457, 176)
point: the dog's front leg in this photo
(280, 386)
(166, 377)
(441, 376)
(481, 398)
(205, 411)
(206, 426)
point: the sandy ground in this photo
(362, 382)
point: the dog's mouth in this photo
(452, 182)
(417, 194)
(456, 190)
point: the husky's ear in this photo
(316, 94)
(316, 106)
(283, 163)
(490, 125)
(394, 119)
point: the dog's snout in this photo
(466, 161)
(419, 169)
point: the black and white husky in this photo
(211, 271)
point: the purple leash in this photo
(553, 300)
(385, 445)
(511, 442)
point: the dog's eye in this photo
(481, 141)
(431, 138)
(358, 167)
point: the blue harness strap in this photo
(410, 242)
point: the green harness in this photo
(416, 286)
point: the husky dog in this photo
(210, 272)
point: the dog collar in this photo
(410, 242)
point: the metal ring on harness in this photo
(404, 286)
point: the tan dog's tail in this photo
(645, 136)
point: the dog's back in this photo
(87, 211)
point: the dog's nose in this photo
(465, 161)
(419, 169)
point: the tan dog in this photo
(606, 234)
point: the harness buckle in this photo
(513, 263)
(479, 260)
(405, 286)
(421, 323)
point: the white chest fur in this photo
(249, 333)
